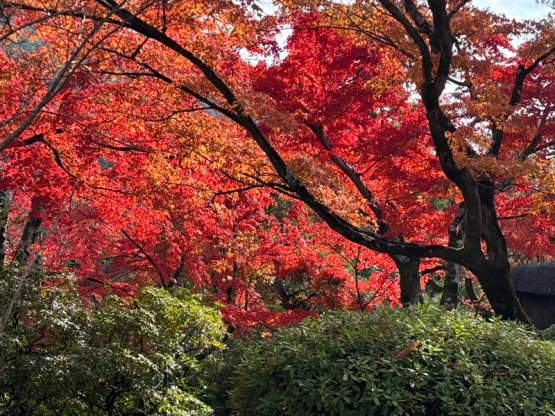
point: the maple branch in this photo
(545, 146)
(431, 270)
(39, 138)
(379, 38)
(383, 39)
(415, 36)
(126, 148)
(158, 120)
(431, 283)
(318, 130)
(104, 283)
(466, 83)
(358, 235)
(417, 17)
(441, 41)
(457, 8)
(62, 76)
(12, 31)
(211, 105)
(530, 149)
(148, 258)
(51, 13)
(533, 145)
(283, 189)
(521, 73)
(232, 191)
(18, 112)
(512, 217)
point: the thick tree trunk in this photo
(494, 271)
(409, 279)
(497, 285)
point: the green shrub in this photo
(549, 333)
(129, 356)
(345, 364)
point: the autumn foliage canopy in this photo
(319, 156)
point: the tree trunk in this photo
(5, 202)
(497, 285)
(32, 232)
(289, 301)
(494, 272)
(450, 294)
(470, 289)
(409, 279)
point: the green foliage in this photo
(549, 333)
(218, 376)
(139, 356)
(345, 364)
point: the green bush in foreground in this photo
(549, 333)
(345, 364)
(127, 357)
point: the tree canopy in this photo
(177, 143)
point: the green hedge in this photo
(345, 364)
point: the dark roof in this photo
(535, 278)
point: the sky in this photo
(515, 9)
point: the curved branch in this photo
(241, 117)
(342, 164)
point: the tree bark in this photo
(497, 285)
(470, 289)
(494, 271)
(450, 293)
(5, 202)
(32, 232)
(409, 279)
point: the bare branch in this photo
(148, 258)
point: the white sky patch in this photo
(523, 9)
